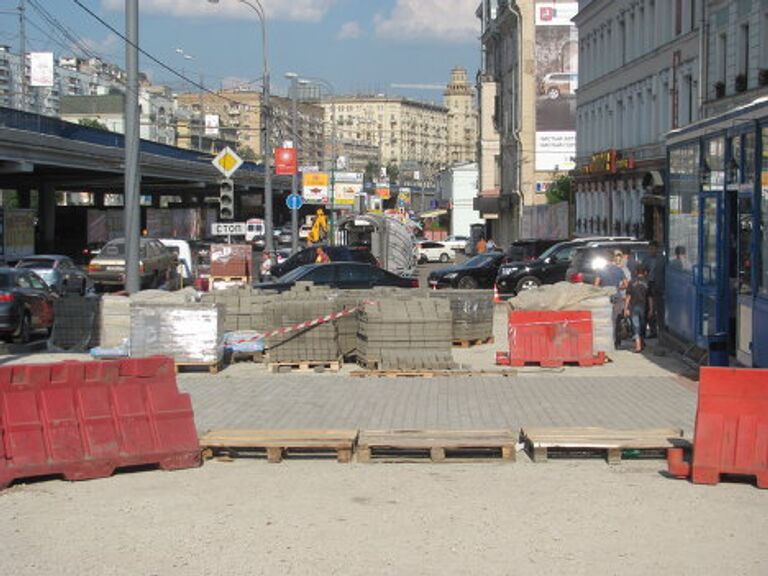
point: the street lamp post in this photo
(294, 78)
(257, 7)
(332, 91)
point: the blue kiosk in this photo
(717, 235)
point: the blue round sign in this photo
(294, 201)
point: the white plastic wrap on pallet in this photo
(186, 332)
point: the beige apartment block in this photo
(412, 135)
(240, 111)
(459, 98)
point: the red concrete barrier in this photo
(549, 338)
(82, 420)
(731, 435)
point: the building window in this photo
(743, 49)
(678, 17)
(683, 206)
(722, 56)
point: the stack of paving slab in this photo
(190, 333)
(317, 343)
(471, 310)
(411, 334)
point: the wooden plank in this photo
(283, 438)
(429, 373)
(304, 366)
(211, 367)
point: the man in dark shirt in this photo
(636, 305)
(654, 264)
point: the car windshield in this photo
(296, 273)
(479, 261)
(549, 251)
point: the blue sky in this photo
(357, 45)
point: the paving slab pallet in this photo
(543, 443)
(430, 373)
(278, 443)
(229, 279)
(461, 343)
(210, 367)
(435, 445)
(256, 357)
(305, 366)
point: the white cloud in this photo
(349, 31)
(446, 20)
(303, 10)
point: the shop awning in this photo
(433, 213)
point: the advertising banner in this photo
(285, 161)
(348, 186)
(211, 124)
(41, 69)
(557, 51)
(382, 190)
(315, 187)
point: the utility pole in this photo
(294, 78)
(132, 176)
(22, 55)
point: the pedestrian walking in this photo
(615, 274)
(655, 264)
(635, 306)
(490, 246)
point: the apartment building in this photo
(240, 112)
(639, 79)
(527, 85)
(409, 134)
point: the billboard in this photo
(348, 185)
(41, 69)
(557, 78)
(315, 187)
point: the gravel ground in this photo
(307, 517)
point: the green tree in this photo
(393, 172)
(92, 123)
(371, 171)
(559, 190)
(247, 153)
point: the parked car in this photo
(549, 268)
(26, 304)
(458, 243)
(285, 236)
(90, 250)
(587, 262)
(526, 250)
(157, 264)
(59, 272)
(559, 83)
(345, 275)
(477, 272)
(434, 252)
(335, 253)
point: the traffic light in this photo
(226, 199)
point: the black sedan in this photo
(26, 304)
(477, 272)
(346, 275)
(59, 272)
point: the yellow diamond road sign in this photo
(227, 162)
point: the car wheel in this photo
(444, 258)
(467, 283)
(423, 259)
(24, 332)
(553, 93)
(527, 283)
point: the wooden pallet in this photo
(435, 445)
(210, 367)
(543, 443)
(213, 279)
(430, 373)
(596, 360)
(279, 443)
(256, 357)
(304, 366)
(459, 343)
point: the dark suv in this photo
(549, 268)
(335, 253)
(525, 250)
(587, 261)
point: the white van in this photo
(186, 268)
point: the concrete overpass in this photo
(49, 155)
